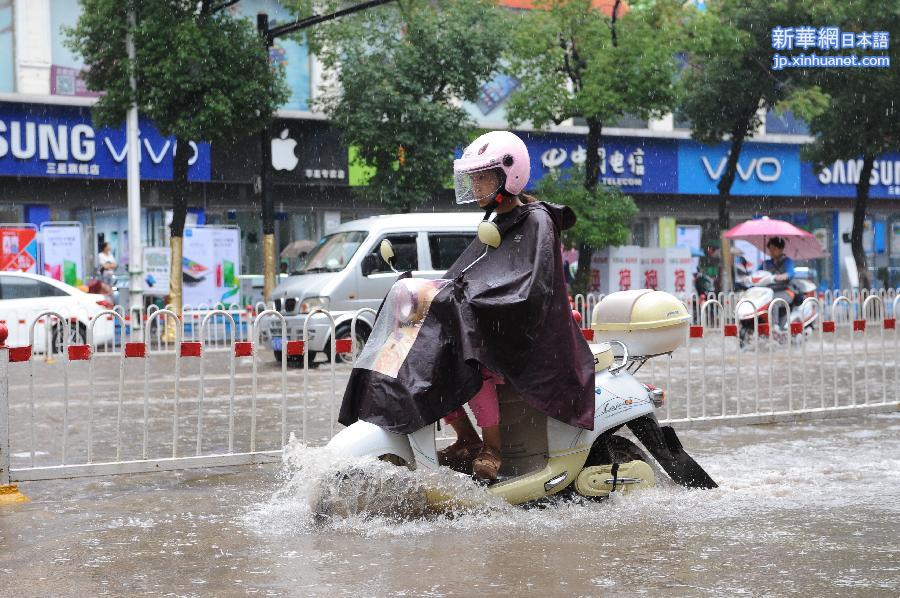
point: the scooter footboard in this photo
(363, 439)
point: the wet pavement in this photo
(803, 509)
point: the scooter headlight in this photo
(411, 301)
(657, 395)
(406, 306)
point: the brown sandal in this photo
(486, 465)
(459, 455)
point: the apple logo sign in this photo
(283, 157)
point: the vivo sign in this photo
(762, 169)
(766, 169)
(55, 141)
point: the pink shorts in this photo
(485, 404)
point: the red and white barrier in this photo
(848, 363)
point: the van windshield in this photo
(333, 252)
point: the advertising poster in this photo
(19, 250)
(666, 232)
(678, 275)
(616, 269)
(62, 253)
(653, 263)
(211, 264)
(156, 271)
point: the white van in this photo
(344, 273)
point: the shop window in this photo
(7, 44)
(785, 123)
(446, 248)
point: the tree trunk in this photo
(179, 215)
(582, 281)
(859, 222)
(592, 160)
(724, 186)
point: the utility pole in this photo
(135, 241)
(264, 179)
(264, 183)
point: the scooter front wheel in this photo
(614, 464)
(614, 449)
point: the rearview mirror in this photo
(387, 252)
(489, 234)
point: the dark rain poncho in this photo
(509, 313)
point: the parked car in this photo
(24, 296)
(344, 273)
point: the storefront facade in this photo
(56, 166)
(675, 178)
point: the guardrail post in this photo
(9, 493)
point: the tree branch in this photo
(567, 67)
(222, 6)
(612, 23)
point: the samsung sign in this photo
(839, 178)
(59, 142)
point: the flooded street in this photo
(803, 509)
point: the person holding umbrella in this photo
(782, 267)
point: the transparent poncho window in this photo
(398, 325)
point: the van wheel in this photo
(343, 331)
(294, 361)
(77, 336)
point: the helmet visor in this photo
(476, 186)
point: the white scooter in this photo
(543, 456)
(754, 303)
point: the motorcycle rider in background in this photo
(782, 267)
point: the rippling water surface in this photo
(807, 509)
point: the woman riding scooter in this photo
(492, 171)
(503, 318)
(783, 268)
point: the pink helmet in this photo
(497, 149)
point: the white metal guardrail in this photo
(204, 399)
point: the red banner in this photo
(18, 250)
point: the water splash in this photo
(828, 467)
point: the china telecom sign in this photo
(62, 142)
(633, 164)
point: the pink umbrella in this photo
(798, 244)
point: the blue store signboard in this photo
(839, 178)
(61, 142)
(762, 169)
(634, 164)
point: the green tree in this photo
(399, 71)
(576, 61)
(852, 112)
(604, 213)
(728, 82)
(199, 74)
